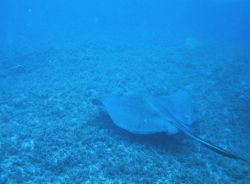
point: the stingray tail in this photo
(211, 146)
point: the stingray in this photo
(141, 113)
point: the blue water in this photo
(59, 59)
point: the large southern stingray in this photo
(142, 113)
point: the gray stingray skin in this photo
(142, 113)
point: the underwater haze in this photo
(60, 59)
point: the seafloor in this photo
(53, 129)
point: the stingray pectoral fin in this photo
(178, 104)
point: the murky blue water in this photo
(59, 59)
